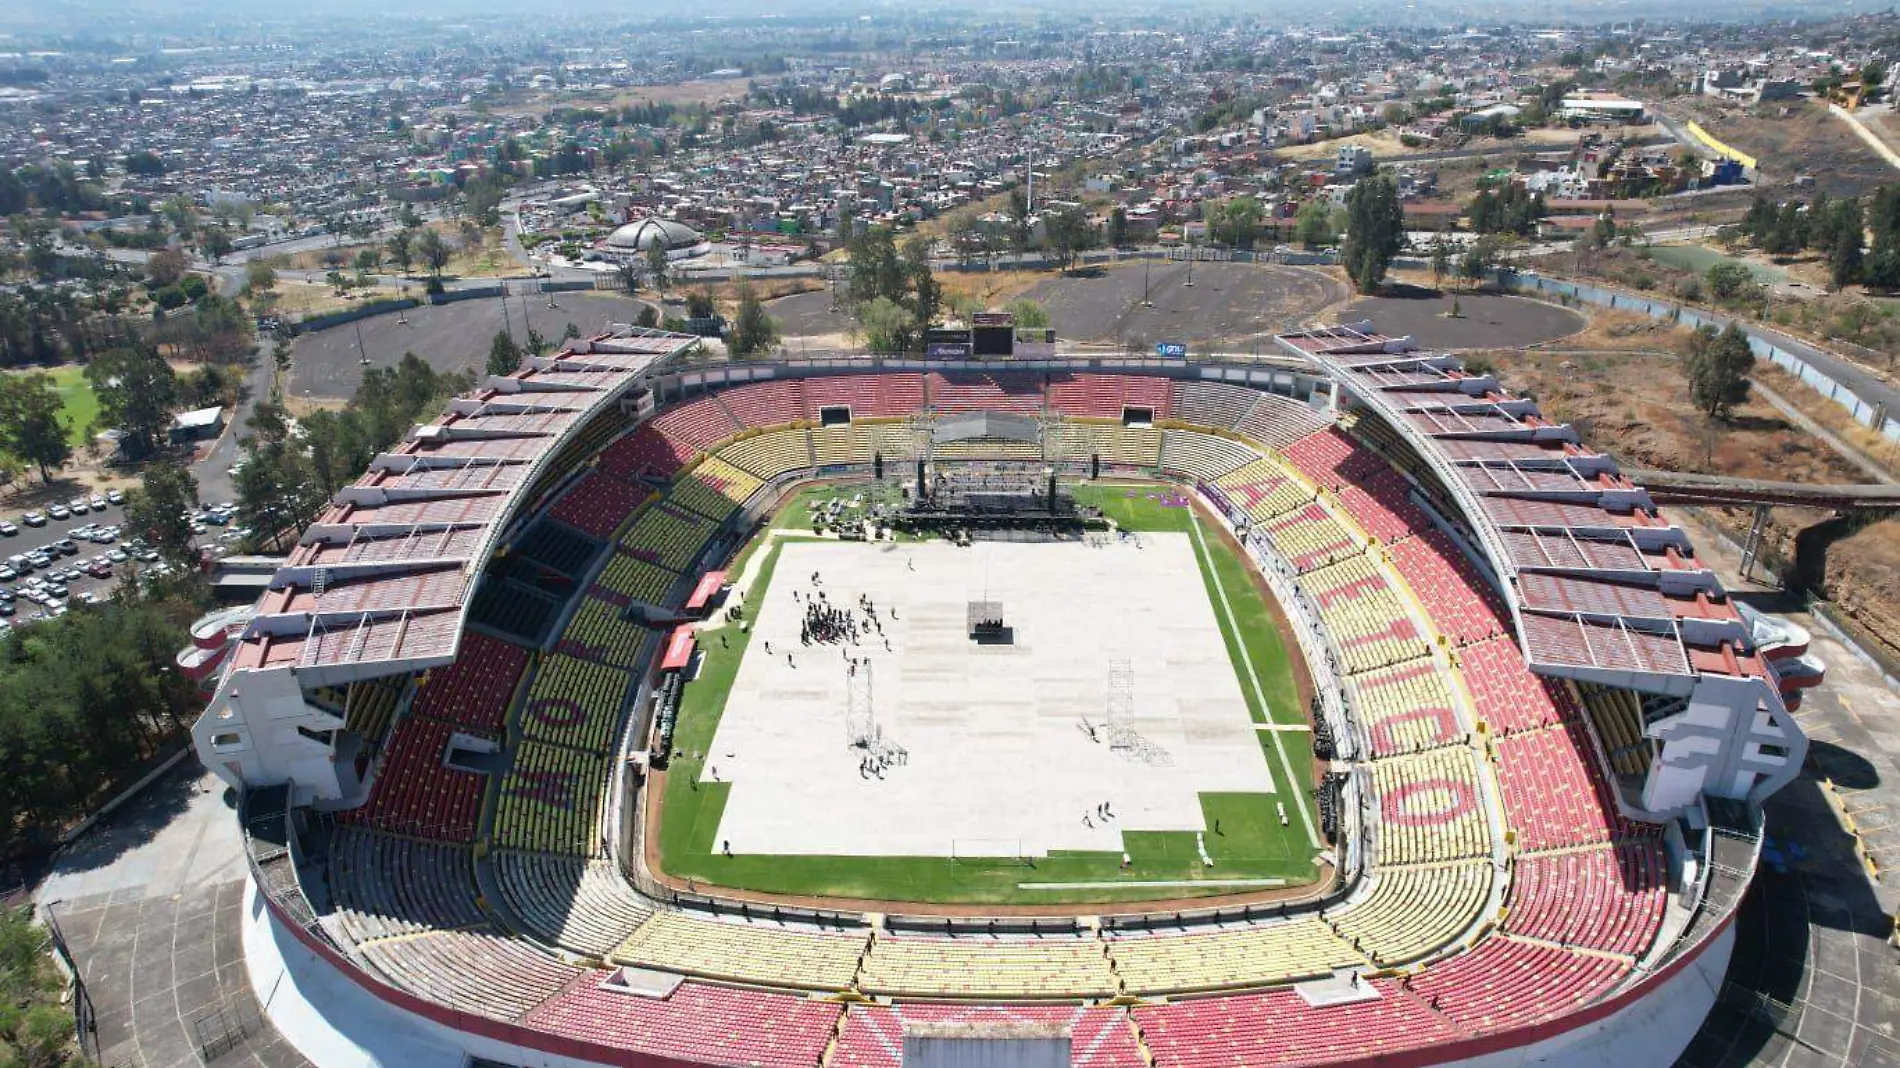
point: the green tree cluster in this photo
(1717, 366)
(1375, 231)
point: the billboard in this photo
(1173, 350)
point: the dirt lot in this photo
(1230, 304)
(452, 337)
(1487, 320)
(808, 315)
(1792, 138)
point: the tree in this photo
(137, 391)
(1844, 256)
(926, 294)
(1068, 233)
(504, 356)
(165, 267)
(699, 305)
(656, 264)
(1717, 366)
(886, 325)
(433, 252)
(159, 511)
(144, 163)
(1441, 260)
(402, 249)
(1375, 231)
(216, 243)
(753, 331)
(1019, 226)
(30, 426)
(259, 277)
(1728, 281)
(1028, 314)
(1313, 225)
(1118, 227)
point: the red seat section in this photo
(981, 391)
(868, 396)
(1554, 794)
(416, 793)
(597, 503)
(1098, 396)
(873, 1035)
(1280, 1028)
(697, 423)
(1331, 458)
(697, 1023)
(645, 452)
(1456, 595)
(773, 403)
(1382, 506)
(474, 691)
(1504, 983)
(1610, 899)
(1508, 696)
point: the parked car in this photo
(115, 497)
(78, 506)
(33, 519)
(60, 512)
(98, 503)
(8, 529)
(67, 546)
(104, 535)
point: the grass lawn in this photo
(1251, 844)
(81, 405)
(1698, 259)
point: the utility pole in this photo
(1146, 288)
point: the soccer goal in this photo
(992, 852)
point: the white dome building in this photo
(632, 240)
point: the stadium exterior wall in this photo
(338, 1015)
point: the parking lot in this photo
(55, 557)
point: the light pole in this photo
(1146, 289)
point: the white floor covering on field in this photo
(997, 757)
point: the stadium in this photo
(1332, 708)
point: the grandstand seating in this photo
(598, 503)
(697, 1023)
(1610, 899)
(702, 499)
(1100, 396)
(1263, 488)
(868, 396)
(1331, 458)
(1127, 447)
(596, 632)
(1214, 960)
(668, 536)
(726, 480)
(833, 445)
(1202, 457)
(771, 454)
(744, 952)
(551, 801)
(479, 971)
(1507, 696)
(1431, 808)
(1410, 912)
(1215, 404)
(897, 441)
(1002, 968)
(645, 453)
(984, 391)
(575, 703)
(383, 885)
(415, 792)
(1279, 1028)
(697, 424)
(762, 404)
(634, 580)
(1382, 506)
(1460, 601)
(1618, 715)
(1276, 421)
(1405, 709)
(1554, 795)
(369, 709)
(1504, 983)
(579, 904)
(989, 449)
(1310, 537)
(1099, 1036)
(474, 691)
(1363, 615)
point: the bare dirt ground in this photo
(1229, 305)
(1486, 320)
(1791, 138)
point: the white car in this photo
(115, 496)
(98, 503)
(8, 529)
